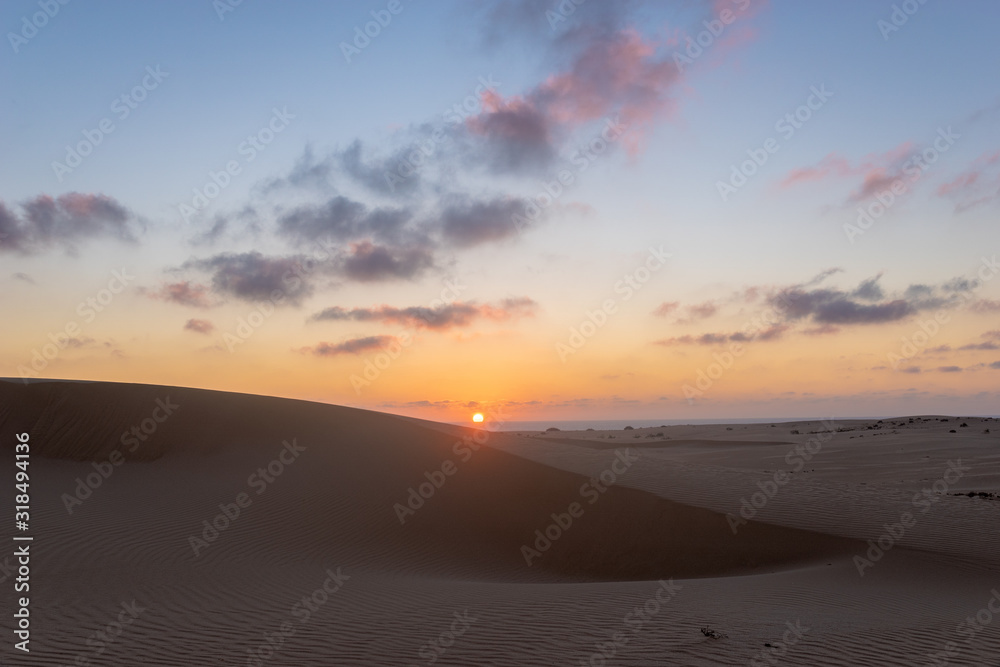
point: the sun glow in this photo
(478, 417)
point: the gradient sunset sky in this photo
(558, 211)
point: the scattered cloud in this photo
(184, 293)
(252, 276)
(701, 311)
(985, 306)
(341, 219)
(877, 171)
(199, 326)
(469, 223)
(666, 308)
(368, 262)
(352, 346)
(988, 345)
(866, 304)
(447, 316)
(46, 222)
(770, 333)
(978, 184)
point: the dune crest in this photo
(496, 516)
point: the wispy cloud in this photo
(351, 346)
(185, 293)
(199, 326)
(447, 316)
(978, 184)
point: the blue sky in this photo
(224, 77)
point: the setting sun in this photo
(478, 417)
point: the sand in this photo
(327, 564)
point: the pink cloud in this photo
(878, 171)
(618, 75)
(976, 185)
(831, 165)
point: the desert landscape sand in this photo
(364, 538)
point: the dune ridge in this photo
(331, 507)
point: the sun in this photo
(478, 417)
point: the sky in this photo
(536, 210)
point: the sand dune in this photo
(330, 496)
